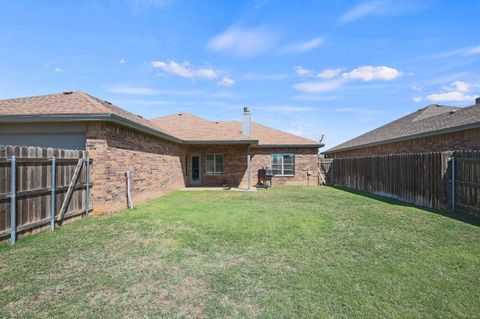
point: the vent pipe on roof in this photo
(246, 122)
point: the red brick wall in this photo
(463, 140)
(156, 165)
(306, 159)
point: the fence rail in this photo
(35, 183)
(441, 180)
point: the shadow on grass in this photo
(460, 216)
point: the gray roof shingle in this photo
(431, 120)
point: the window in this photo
(283, 164)
(214, 164)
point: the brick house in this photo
(163, 154)
(434, 128)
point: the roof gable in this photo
(194, 128)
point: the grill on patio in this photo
(264, 177)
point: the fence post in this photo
(52, 192)
(453, 182)
(87, 187)
(13, 200)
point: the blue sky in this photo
(338, 68)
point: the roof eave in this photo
(314, 145)
(406, 138)
(221, 142)
(101, 117)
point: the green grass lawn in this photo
(288, 252)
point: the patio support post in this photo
(249, 169)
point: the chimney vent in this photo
(246, 122)
(477, 100)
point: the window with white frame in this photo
(214, 164)
(283, 164)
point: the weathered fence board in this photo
(34, 186)
(424, 179)
(467, 181)
(415, 178)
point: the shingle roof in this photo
(431, 120)
(74, 104)
(193, 128)
(66, 103)
(182, 127)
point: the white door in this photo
(195, 170)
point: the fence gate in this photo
(324, 170)
(465, 173)
(40, 186)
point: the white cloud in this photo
(243, 42)
(449, 96)
(135, 90)
(468, 51)
(329, 73)
(58, 70)
(473, 51)
(457, 91)
(364, 73)
(318, 87)
(226, 81)
(185, 70)
(382, 8)
(417, 99)
(369, 73)
(301, 47)
(362, 10)
(301, 71)
(461, 86)
(122, 61)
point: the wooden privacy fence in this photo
(440, 180)
(466, 176)
(41, 186)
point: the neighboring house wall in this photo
(234, 164)
(56, 135)
(462, 140)
(157, 166)
(306, 160)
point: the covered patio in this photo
(218, 165)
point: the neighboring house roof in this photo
(181, 128)
(195, 129)
(428, 121)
